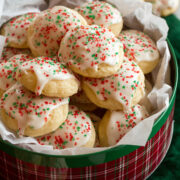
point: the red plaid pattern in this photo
(137, 165)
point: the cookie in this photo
(15, 30)
(31, 115)
(48, 29)
(82, 102)
(80, 97)
(164, 7)
(9, 52)
(119, 91)
(145, 100)
(115, 124)
(47, 76)
(8, 70)
(76, 131)
(85, 106)
(102, 14)
(95, 119)
(91, 51)
(139, 47)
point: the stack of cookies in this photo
(73, 78)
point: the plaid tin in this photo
(137, 165)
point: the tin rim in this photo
(92, 158)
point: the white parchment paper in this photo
(136, 15)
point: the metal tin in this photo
(124, 161)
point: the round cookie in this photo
(82, 102)
(1, 92)
(76, 131)
(95, 119)
(31, 115)
(91, 51)
(47, 76)
(46, 32)
(9, 52)
(145, 101)
(80, 97)
(102, 14)
(164, 7)
(8, 70)
(85, 106)
(16, 30)
(140, 48)
(119, 91)
(115, 124)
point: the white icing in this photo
(99, 13)
(9, 52)
(9, 68)
(27, 108)
(121, 122)
(46, 69)
(16, 29)
(88, 46)
(120, 86)
(138, 46)
(50, 27)
(74, 132)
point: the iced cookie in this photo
(8, 52)
(16, 30)
(115, 124)
(1, 92)
(145, 101)
(8, 70)
(82, 102)
(91, 51)
(31, 115)
(47, 76)
(164, 7)
(80, 97)
(85, 106)
(95, 119)
(119, 91)
(102, 14)
(76, 131)
(140, 48)
(47, 31)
